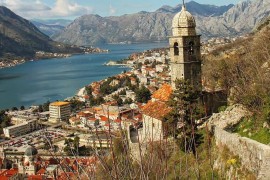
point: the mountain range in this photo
(51, 26)
(212, 21)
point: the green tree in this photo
(40, 109)
(76, 105)
(88, 90)
(123, 92)
(119, 101)
(14, 109)
(181, 121)
(76, 144)
(22, 108)
(143, 94)
(46, 105)
(5, 121)
(67, 148)
(128, 101)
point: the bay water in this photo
(36, 82)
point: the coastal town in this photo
(98, 111)
(48, 55)
(170, 114)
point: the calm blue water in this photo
(36, 82)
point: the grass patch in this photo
(252, 129)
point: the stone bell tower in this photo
(185, 49)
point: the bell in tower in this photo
(185, 50)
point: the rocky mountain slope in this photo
(19, 38)
(49, 30)
(152, 26)
(51, 26)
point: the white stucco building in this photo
(59, 111)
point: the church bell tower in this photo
(185, 50)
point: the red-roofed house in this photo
(103, 120)
(154, 112)
(9, 174)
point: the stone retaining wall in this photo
(254, 155)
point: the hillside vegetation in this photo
(243, 70)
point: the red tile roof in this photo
(67, 175)
(156, 109)
(103, 118)
(8, 173)
(164, 93)
(41, 171)
(4, 177)
(35, 177)
(117, 120)
(92, 119)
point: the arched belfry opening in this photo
(176, 49)
(185, 49)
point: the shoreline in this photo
(41, 55)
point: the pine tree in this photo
(181, 121)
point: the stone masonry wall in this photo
(254, 155)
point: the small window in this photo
(191, 48)
(176, 49)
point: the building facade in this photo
(20, 129)
(59, 111)
(185, 50)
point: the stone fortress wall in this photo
(254, 155)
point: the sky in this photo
(70, 9)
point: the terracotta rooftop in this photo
(156, 109)
(117, 120)
(164, 93)
(67, 175)
(92, 119)
(103, 118)
(41, 171)
(35, 177)
(8, 173)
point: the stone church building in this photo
(185, 57)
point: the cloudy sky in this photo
(70, 9)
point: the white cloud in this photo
(67, 8)
(19, 5)
(38, 9)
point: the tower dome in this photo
(183, 20)
(30, 151)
